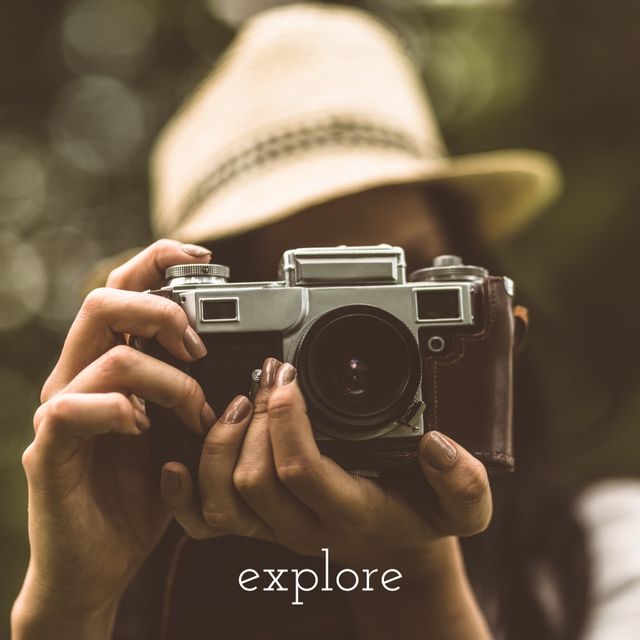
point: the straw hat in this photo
(310, 103)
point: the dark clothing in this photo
(189, 590)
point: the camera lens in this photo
(359, 369)
(354, 376)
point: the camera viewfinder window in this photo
(219, 310)
(443, 304)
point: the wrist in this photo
(439, 561)
(434, 593)
(429, 567)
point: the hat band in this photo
(337, 131)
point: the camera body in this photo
(380, 358)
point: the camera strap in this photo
(521, 328)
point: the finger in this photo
(317, 481)
(267, 382)
(180, 498)
(222, 506)
(146, 270)
(105, 315)
(255, 478)
(69, 420)
(291, 431)
(138, 403)
(461, 484)
(128, 371)
(255, 451)
(222, 503)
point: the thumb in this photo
(461, 485)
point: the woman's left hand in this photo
(262, 476)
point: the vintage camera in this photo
(380, 358)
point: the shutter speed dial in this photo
(448, 267)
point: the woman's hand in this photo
(94, 513)
(261, 475)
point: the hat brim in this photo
(505, 189)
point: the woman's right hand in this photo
(94, 512)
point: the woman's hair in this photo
(530, 569)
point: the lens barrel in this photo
(359, 370)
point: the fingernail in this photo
(207, 418)
(169, 481)
(142, 421)
(269, 370)
(238, 410)
(195, 250)
(286, 374)
(439, 452)
(138, 403)
(193, 344)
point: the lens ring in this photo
(364, 334)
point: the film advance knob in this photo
(197, 272)
(448, 267)
(447, 261)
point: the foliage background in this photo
(85, 85)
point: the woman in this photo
(314, 111)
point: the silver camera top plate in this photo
(366, 265)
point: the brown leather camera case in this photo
(468, 392)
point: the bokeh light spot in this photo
(18, 398)
(112, 36)
(98, 124)
(22, 182)
(69, 255)
(23, 286)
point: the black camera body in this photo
(380, 359)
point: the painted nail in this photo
(207, 418)
(142, 421)
(238, 410)
(286, 374)
(170, 481)
(439, 452)
(269, 370)
(138, 402)
(195, 250)
(193, 343)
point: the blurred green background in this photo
(86, 85)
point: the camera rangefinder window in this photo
(219, 309)
(439, 304)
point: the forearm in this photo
(52, 626)
(435, 600)
(40, 616)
